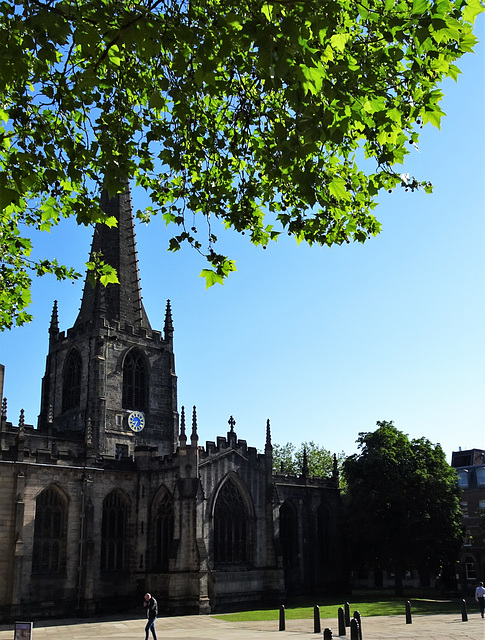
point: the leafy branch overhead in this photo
(268, 117)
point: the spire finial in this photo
(335, 473)
(231, 422)
(268, 433)
(168, 327)
(182, 436)
(194, 436)
(304, 470)
(54, 325)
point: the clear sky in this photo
(323, 342)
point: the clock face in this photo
(136, 421)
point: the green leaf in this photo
(433, 116)
(339, 40)
(472, 10)
(108, 275)
(211, 278)
(113, 56)
(268, 11)
(337, 188)
(420, 6)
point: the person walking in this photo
(152, 613)
(480, 597)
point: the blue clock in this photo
(136, 421)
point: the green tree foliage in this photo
(251, 113)
(288, 459)
(402, 504)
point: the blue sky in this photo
(323, 342)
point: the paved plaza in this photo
(430, 627)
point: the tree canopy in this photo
(319, 461)
(402, 504)
(268, 117)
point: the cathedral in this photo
(111, 494)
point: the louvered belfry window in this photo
(135, 381)
(71, 384)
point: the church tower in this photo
(110, 381)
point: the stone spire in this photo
(117, 302)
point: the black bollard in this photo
(327, 634)
(464, 614)
(354, 630)
(316, 619)
(359, 623)
(341, 622)
(347, 614)
(282, 617)
(409, 620)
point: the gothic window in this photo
(323, 542)
(134, 381)
(230, 527)
(289, 534)
(163, 532)
(50, 532)
(71, 384)
(114, 533)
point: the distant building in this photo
(470, 468)
(111, 494)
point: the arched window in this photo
(135, 381)
(323, 541)
(163, 532)
(50, 533)
(230, 527)
(114, 532)
(289, 534)
(71, 384)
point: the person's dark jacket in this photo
(152, 608)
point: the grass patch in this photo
(366, 607)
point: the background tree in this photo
(402, 504)
(251, 113)
(289, 459)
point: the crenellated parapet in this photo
(120, 328)
(223, 445)
(282, 478)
